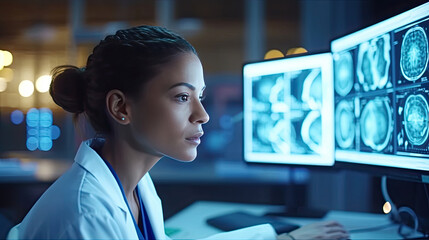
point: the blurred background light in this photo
(32, 143)
(45, 143)
(387, 207)
(3, 84)
(55, 132)
(273, 53)
(45, 117)
(7, 74)
(16, 117)
(26, 88)
(7, 58)
(33, 117)
(43, 83)
(296, 50)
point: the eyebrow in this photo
(190, 86)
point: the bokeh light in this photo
(55, 132)
(296, 50)
(45, 143)
(3, 84)
(32, 143)
(43, 83)
(273, 53)
(33, 117)
(26, 88)
(45, 119)
(387, 208)
(7, 74)
(17, 117)
(7, 58)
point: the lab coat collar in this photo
(153, 206)
(89, 159)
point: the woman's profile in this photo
(141, 91)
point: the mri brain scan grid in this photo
(382, 93)
(287, 112)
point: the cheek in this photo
(164, 127)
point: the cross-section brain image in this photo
(373, 63)
(345, 124)
(343, 65)
(311, 131)
(416, 119)
(376, 123)
(414, 53)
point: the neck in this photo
(129, 164)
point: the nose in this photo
(199, 114)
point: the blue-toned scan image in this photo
(413, 120)
(412, 53)
(268, 106)
(373, 64)
(343, 72)
(376, 124)
(345, 124)
(286, 112)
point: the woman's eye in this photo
(202, 98)
(182, 98)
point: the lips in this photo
(195, 139)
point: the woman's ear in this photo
(117, 106)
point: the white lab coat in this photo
(87, 203)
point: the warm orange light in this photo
(387, 208)
(273, 53)
(296, 50)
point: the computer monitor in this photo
(382, 94)
(288, 110)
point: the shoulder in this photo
(76, 202)
(95, 226)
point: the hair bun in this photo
(68, 88)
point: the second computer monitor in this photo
(288, 110)
(382, 93)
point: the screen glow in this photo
(288, 114)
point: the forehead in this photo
(183, 68)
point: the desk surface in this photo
(190, 223)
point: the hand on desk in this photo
(319, 230)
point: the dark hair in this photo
(123, 61)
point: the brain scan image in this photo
(373, 63)
(268, 114)
(343, 73)
(376, 124)
(416, 119)
(311, 131)
(414, 53)
(345, 124)
(312, 89)
(287, 124)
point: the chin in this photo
(185, 157)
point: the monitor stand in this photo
(295, 203)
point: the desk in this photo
(190, 223)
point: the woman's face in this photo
(167, 119)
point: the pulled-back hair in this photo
(122, 61)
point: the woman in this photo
(141, 90)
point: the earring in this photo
(123, 119)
